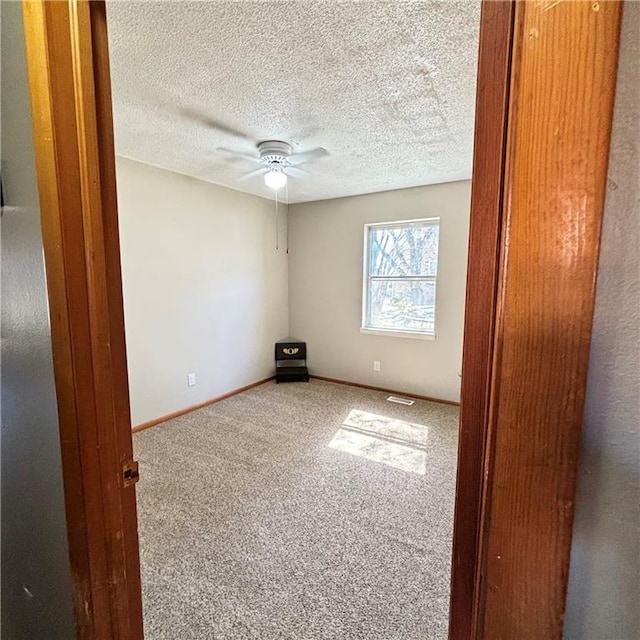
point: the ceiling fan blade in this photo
(294, 172)
(212, 123)
(238, 154)
(307, 156)
(251, 175)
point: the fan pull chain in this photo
(277, 233)
(286, 186)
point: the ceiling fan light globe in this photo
(275, 179)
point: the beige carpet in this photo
(397, 443)
(253, 525)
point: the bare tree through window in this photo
(402, 264)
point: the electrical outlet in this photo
(191, 379)
(376, 365)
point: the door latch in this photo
(130, 473)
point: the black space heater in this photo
(291, 361)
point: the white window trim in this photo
(378, 331)
(396, 333)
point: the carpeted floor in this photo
(253, 527)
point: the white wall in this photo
(325, 290)
(204, 288)
(604, 584)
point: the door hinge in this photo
(130, 473)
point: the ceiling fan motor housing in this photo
(275, 154)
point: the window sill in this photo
(394, 333)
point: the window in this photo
(400, 270)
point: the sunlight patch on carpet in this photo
(393, 442)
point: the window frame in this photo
(367, 279)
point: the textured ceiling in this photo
(387, 88)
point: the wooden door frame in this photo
(67, 58)
(509, 576)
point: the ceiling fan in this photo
(276, 158)
(277, 161)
